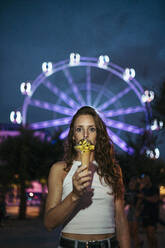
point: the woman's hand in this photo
(81, 180)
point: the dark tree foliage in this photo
(24, 158)
(158, 104)
(138, 163)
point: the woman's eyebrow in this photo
(88, 125)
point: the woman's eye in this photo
(78, 129)
(92, 129)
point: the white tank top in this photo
(95, 213)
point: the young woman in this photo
(88, 204)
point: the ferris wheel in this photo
(62, 88)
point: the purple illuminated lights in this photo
(74, 87)
(51, 107)
(68, 106)
(130, 110)
(69, 101)
(119, 142)
(52, 123)
(113, 99)
(123, 126)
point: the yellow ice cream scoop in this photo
(84, 146)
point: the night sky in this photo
(131, 32)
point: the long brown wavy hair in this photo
(108, 167)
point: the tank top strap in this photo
(72, 170)
(74, 167)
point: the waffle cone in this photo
(85, 158)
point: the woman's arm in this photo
(57, 211)
(122, 229)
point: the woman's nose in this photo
(85, 134)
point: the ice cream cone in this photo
(85, 147)
(85, 158)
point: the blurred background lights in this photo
(129, 74)
(15, 117)
(161, 124)
(25, 88)
(156, 125)
(153, 154)
(74, 59)
(103, 61)
(148, 96)
(47, 68)
(31, 194)
(162, 190)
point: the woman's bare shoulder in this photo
(58, 165)
(58, 169)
